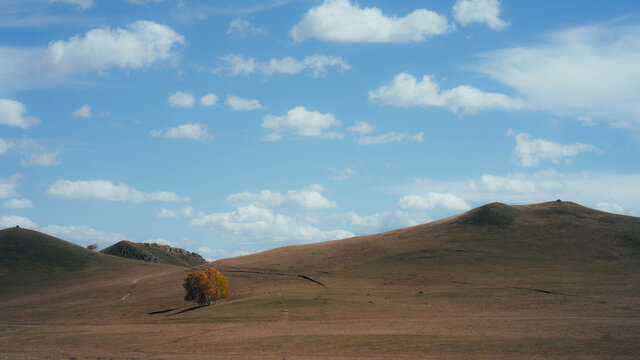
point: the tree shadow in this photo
(162, 311)
(190, 309)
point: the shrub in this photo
(205, 287)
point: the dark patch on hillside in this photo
(155, 253)
(496, 214)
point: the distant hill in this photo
(29, 259)
(155, 253)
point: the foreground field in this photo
(546, 281)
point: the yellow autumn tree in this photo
(206, 286)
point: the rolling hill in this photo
(155, 253)
(553, 280)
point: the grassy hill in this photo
(155, 253)
(551, 281)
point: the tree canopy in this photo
(205, 286)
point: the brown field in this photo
(546, 281)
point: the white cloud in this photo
(17, 204)
(309, 197)
(182, 99)
(432, 201)
(5, 146)
(404, 90)
(41, 159)
(546, 185)
(589, 71)
(301, 122)
(235, 64)
(341, 21)
(186, 211)
(211, 254)
(241, 28)
(209, 100)
(83, 235)
(528, 151)
(106, 190)
(361, 127)
(391, 136)
(14, 113)
(82, 4)
(7, 221)
(84, 111)
(140, 45)
(240, 104)
(379, 222)
(8, 186)
(610, 207)
(160, 241)
(343, 174)
(194, 131)
(252, 224)
(479, 11)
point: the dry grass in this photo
(546, 281)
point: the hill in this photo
(155, 253)
(553, 280)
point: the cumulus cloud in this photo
(528, 152)
(106, 190)
(479, 11)
(14, 113)
(309, 197)
(241, 28)
(41, 159)
(182, 99)
(591, 72)
(7, 221)
(342, 21)
(17, 204)
(361, 127)
(186, 211)
(82, 4)
(404, 90)
(193, 131)
(239, 104)
(212, 254)
(209, 100)
(343, 174)
(83, 111)
(9, 185)
(379, 222)
(235, 64)
(83, 235)
(432, 201)
(253, 224)
(301, 122)
(139, 45)
(391, 136)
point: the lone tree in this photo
(206, 286)
(92, 247)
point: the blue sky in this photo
(229, 127)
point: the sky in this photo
(231, 127)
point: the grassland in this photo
(545, 281)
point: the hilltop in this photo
(155, 253)
(554, 280)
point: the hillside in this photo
(155, 253)
(553, 280)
